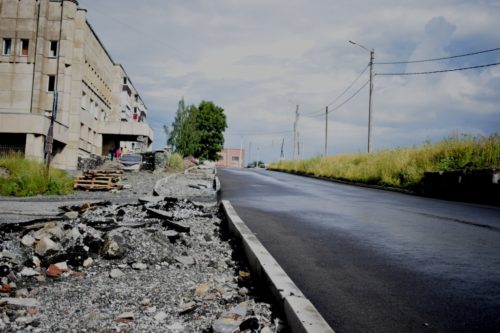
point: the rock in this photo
(116, 273)
(146, 302)
(63, 266)
(28, 241)
(251, 323)
(125, 317)
(266, 330)
(168, 220)
(160, 316)
(5, 288)
(243, 291)
(187, 307)
(28, 271)
(50, 230)
(20, 302)
(172, 235)
(46, 246)
(74, 234)
(54, 271)
(185, 260)
(230, 320)
(201, 289)
(88, 262)
(113, 248)
(139, 266)
(22, 293)
(71, 215)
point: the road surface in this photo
(373, 260)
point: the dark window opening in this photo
(52, 83)
(25, 46)
(7, 46)
(53, 51)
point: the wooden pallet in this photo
(99, 180)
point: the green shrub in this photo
(175, 161)
(403, 167)
(28, 178)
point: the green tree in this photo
(182, 135)
(198, 131)
(210, 123)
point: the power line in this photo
(436, 59)
(439, 71)
(346, 101)
(338, 97)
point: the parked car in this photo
(131, 162)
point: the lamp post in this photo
(372, 56)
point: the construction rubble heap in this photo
(162, 264)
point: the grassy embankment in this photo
(403, 167)
(27, 178)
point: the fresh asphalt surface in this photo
(373, 260)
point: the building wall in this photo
(231, 158)
(88, 83)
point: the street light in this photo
(372, 56)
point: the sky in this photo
(259, 59)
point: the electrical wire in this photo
(312, 114)
(436, 59)
(347, 100)
(439, 71)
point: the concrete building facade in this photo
(231, 158)
(60, 90)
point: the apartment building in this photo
(231, 158)
(60, 90)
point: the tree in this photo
(210, 126)
(198, 131)
(181, 135)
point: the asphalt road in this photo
(373, 260)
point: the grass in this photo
(403, 167)
(28, 178)
(175, 162)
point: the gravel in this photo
(120, 266)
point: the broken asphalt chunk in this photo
(167, 220)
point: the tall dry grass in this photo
(27, 178)
(403, 167)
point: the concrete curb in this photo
(300, 314)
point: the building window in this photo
(53, 49)
(52, 83)
(7, 46)
(125, 80)
(83, 102)
(235, 158)
(25, 47)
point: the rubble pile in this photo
(158, 265)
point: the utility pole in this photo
(298, 146)
(372, 56)
(326, 131)
(295, 133)
(282, 155)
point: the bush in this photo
(28, 178)
(175, 161)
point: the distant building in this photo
(49, 52)
(231, 158)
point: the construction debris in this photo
(99, 180)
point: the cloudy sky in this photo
(258, 59)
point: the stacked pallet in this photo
(99, 180)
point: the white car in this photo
(131, 162)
